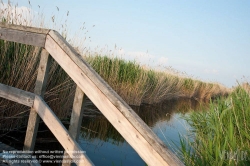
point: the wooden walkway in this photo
(13, 157)
(5, 147)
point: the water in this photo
(105, 146)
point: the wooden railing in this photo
(150, 148)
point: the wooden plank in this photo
(43, 71)
(60, 132)
(24, 28)
(16, 95)
(34, 119)
(5, 147)
(14, 160)
(22, 37)
(77, 113)
(122, 117)
(76, 119)
(22, 34)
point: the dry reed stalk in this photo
(246, 87)
(18, 68)
(134, 83)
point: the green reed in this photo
(137, 85)
(134, 83)
(221, 136)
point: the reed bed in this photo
(126, 78)
(134, 83)
(220, 136)
(138, 85)
(18, 68)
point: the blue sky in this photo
(209, 40)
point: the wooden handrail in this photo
(23, 34)
(49, 118)
(17, 95)
(56, 127)
(151, 149)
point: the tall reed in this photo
(18, 68)
(127, 78)
(222, 134)
(134, 83)
(137, 84)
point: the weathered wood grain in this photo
(16, 95)
(60, 132)
(24, 28)
(121, 116)
(77, 113)
(34, 119)
(23, 34)
(76, 118)
(22, 37)
(43, 71)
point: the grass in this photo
(134, 83)
(221, 135)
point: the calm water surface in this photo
(104, 145)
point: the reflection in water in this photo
(105, 146)
(151, 114)
(95, 125)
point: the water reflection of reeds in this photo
(95, 125)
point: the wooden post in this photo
(77, 113)
(76, 120)
(40, 88)
(60, 132)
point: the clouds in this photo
(139, 56)
(16, 14)
(211, 71)
(147, 59)
(163, 60)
